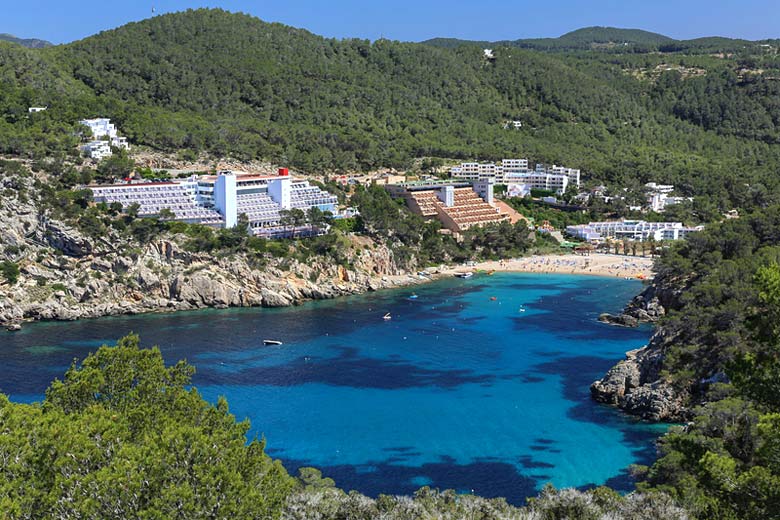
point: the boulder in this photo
(623, 320)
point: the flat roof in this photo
(133, 184)
(244, 177)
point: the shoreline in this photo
(606, 265)
(595, 265)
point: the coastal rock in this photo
(202, 290)
(623, 320)
(655, 402)
(67, 275)
(634, 385)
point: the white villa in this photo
(103, 130)
(658, 197)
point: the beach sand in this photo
(595, 264)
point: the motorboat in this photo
(464, 275)
(268, 342)
(387, 317)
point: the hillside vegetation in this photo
(232, 85)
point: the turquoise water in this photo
(458, 390)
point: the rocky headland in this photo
(635, 384)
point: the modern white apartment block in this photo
(638, 230)
(103, 128)
(220, 199)
(516, 171)
(97, 149)
(658, 196)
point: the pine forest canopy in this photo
(232, 85)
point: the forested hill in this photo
(33, 43)
(612, 39)
(230, 84)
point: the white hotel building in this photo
(218, 200)
(638, 230)
(515, 171)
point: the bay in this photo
(477, 385)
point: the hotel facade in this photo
(219, 200)
(516, 171)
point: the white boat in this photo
(271, 342)
(387, 317)
(464, 275)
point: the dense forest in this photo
(232, 85)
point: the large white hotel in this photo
(515, 171)
(638, 230)
(218, 200)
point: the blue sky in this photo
(62, 21)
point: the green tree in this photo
(122, 435)
(10, 271)
(118, 166)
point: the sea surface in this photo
(477, 385)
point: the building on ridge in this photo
(97, 149)
(658, 196)
(103, 130)
(516, 171)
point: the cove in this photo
(478, 384)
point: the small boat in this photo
(413, 297)
(464, 275)
(271, 342)
(522, 309)
(387, 317)
(493, 298)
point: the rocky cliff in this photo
(635, 384)
(66, 275)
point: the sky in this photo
(62, 21)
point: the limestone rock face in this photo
(66, 239)
(635, 386)
(94, 278)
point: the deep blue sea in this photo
(477, 384)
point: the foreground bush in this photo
(122, 436)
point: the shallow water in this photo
(458, 390)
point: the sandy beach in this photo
(595, 264)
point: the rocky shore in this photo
(66, 275)
(635, 384)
